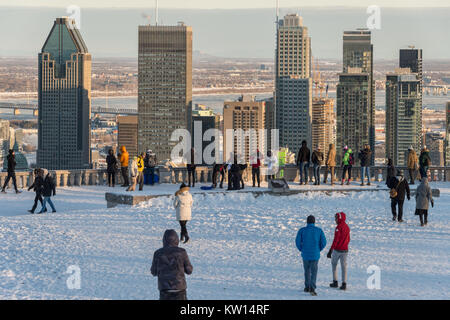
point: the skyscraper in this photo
(164, 86)
(412, 58)
(322, 123)
(244, 114)
(64, 98)
(403, 115)
(127, 129)
(293, 84)
(352, 108)
(357, 70)
(447, 135)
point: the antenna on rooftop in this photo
(156, 12)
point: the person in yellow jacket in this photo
(123, 158)
(413, 164)
(140, 167)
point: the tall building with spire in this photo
(293, 83)
(64, 99)
(164, 86)
(355, 94)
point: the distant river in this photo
(213, 101)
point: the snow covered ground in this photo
(242, 247)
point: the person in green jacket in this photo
(347, 163)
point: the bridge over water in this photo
(16, 107)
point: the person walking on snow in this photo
(37, 186)
(48, 191)
(170, 263)
(399, 188)
(423, 197)
(310, 241)
(11, 159)
(133, 169)
(124, 159)
(183, 205)
(339, 250)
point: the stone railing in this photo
(69, 178)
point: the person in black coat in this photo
(170, 263)
(191, 166)
(48, 190)
(303, 159)
(234, 175)
(402, 187)
(365, 157)
(11, 158)
(219, 168)
(111, 168)
(37, 186)
(391, 171)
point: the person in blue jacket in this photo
(310, 241)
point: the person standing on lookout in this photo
(347, 163)
(310, 241)
(413, 164)
(123, 158)
(140, 167)
(11, 158)
(317, 160)
(331, 164)
(303, 159)
(365, 156)
(423, 197)
(424, 162)
(339, 250)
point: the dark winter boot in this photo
(344, 286)
(306, 290)
(3, 190)
(186, 239)
(313, 292)
(334, 284)
(394, 218)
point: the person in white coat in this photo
(133, 170)
(272, 164)
(183, 205)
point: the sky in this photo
(228, 4)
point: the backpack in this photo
(351, 160)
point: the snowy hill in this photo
(242, 247)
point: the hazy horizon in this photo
(232, 33)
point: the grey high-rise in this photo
(164, 86)
(356, 110)
(64, 98)
(293, 84)
(403, 115)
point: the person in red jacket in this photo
(339, 250)
(256, 164)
